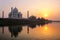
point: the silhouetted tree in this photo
(32, 18)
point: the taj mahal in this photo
(14, 14)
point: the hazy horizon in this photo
(49, 9)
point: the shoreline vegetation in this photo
(8, 21)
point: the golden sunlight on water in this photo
(45, 32)
(49, 31)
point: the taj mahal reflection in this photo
(14, 30)
(17, 29)
(30, 30)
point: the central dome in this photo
(15, 10)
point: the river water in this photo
(49, 31)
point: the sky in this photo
(49, 9)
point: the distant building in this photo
(14, 14)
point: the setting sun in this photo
(45, 15)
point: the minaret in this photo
(3, 26)
(2, 14)
(27, 14)
(11, 9)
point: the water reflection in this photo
(45, 27)
(30, 26)
(33, 25)
(31, 31)
(14, 30)
(3, 29)
(42, 24)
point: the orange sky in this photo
(48, 9)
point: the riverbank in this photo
(7, 21)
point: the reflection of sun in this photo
(45, 30)
(45, 27)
